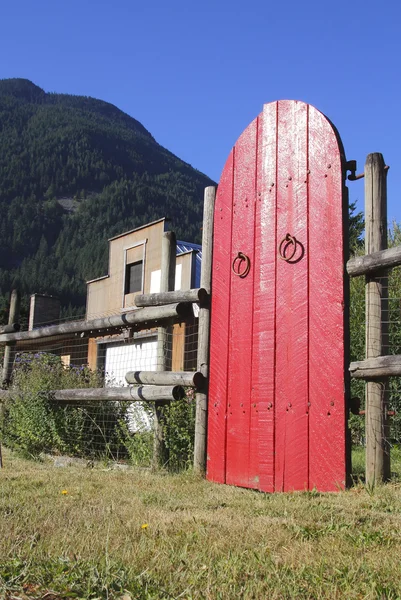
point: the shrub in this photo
(33, 423)
(180, 431)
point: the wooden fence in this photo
(159, 310)
(377, 367)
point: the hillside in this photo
(75, 171)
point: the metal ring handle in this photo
(241, 257)
(289, 240)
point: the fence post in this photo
(203, 333)
(13, 317)
(377, 449)
(167, 284)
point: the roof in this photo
(136, 229)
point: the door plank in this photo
(241, 312)
(291, 468)
(219, 338)
(264, 322)
(326, 281)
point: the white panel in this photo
(135, 356)
(178, 273)
(140, 355)
(155, 282)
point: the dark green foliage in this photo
(356, 229)
(357, 339)
(33, 423)
(180, 431)
(75, 171)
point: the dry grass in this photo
(201, 540)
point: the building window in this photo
(133, 277)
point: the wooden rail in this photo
(196, 295)
(151, 315)
(151, 393)
(185, 378)
(376, 368)
(11, 328)
(148, 393)
(374, 262)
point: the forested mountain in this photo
(75, 171)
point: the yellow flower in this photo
(145, 526)
(64, 492)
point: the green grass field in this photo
(100, 533)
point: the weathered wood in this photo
(377, 454)
(162, 298)
(10, 328)
(204, 331)
(168, 259)
(137, 393)
(13, 317)
(277, 414)
(149, 393)
(185, 378)
(376, 368)
(150, 315)
(167, 283)
(3, 395)
(8, 361)
(375, 262)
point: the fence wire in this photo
(120, 431)
(388, 304)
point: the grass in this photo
(155, 536)
(358, 463)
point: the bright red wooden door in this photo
(277, 418)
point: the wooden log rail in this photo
(12, 328)
(376, 368)
(149, 315)
(374, 262)
(184, 378)
(147, 393)
(196, 295)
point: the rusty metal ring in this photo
(242, 258)
(287, 241)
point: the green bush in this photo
(180, 431)
(138, 444)
(357, 342)
(33, 423)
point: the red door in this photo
(277, 418)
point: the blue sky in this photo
(196, 73)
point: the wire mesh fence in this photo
(34, 422)
(389, 306)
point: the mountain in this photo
(75, 171)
